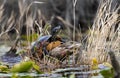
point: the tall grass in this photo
(5, 21)
(28, 16)
(103, 36)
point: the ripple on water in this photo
(10, 60)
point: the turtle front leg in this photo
(45, 51)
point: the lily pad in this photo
(22, 67)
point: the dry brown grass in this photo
(103, 36)
(26, 17)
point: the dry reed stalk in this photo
(102, 29)
(1, 11)
(7, 25)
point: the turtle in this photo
(46, 43)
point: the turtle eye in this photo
(56, 30)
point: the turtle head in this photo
(56, 30)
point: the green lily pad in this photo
(22, 67)
(3, 68)
(107, 73)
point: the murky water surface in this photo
(8, 59)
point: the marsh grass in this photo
(102, 37)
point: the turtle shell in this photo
(44, 45)
(44, 38)
(39, 43)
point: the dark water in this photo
(10, 60)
